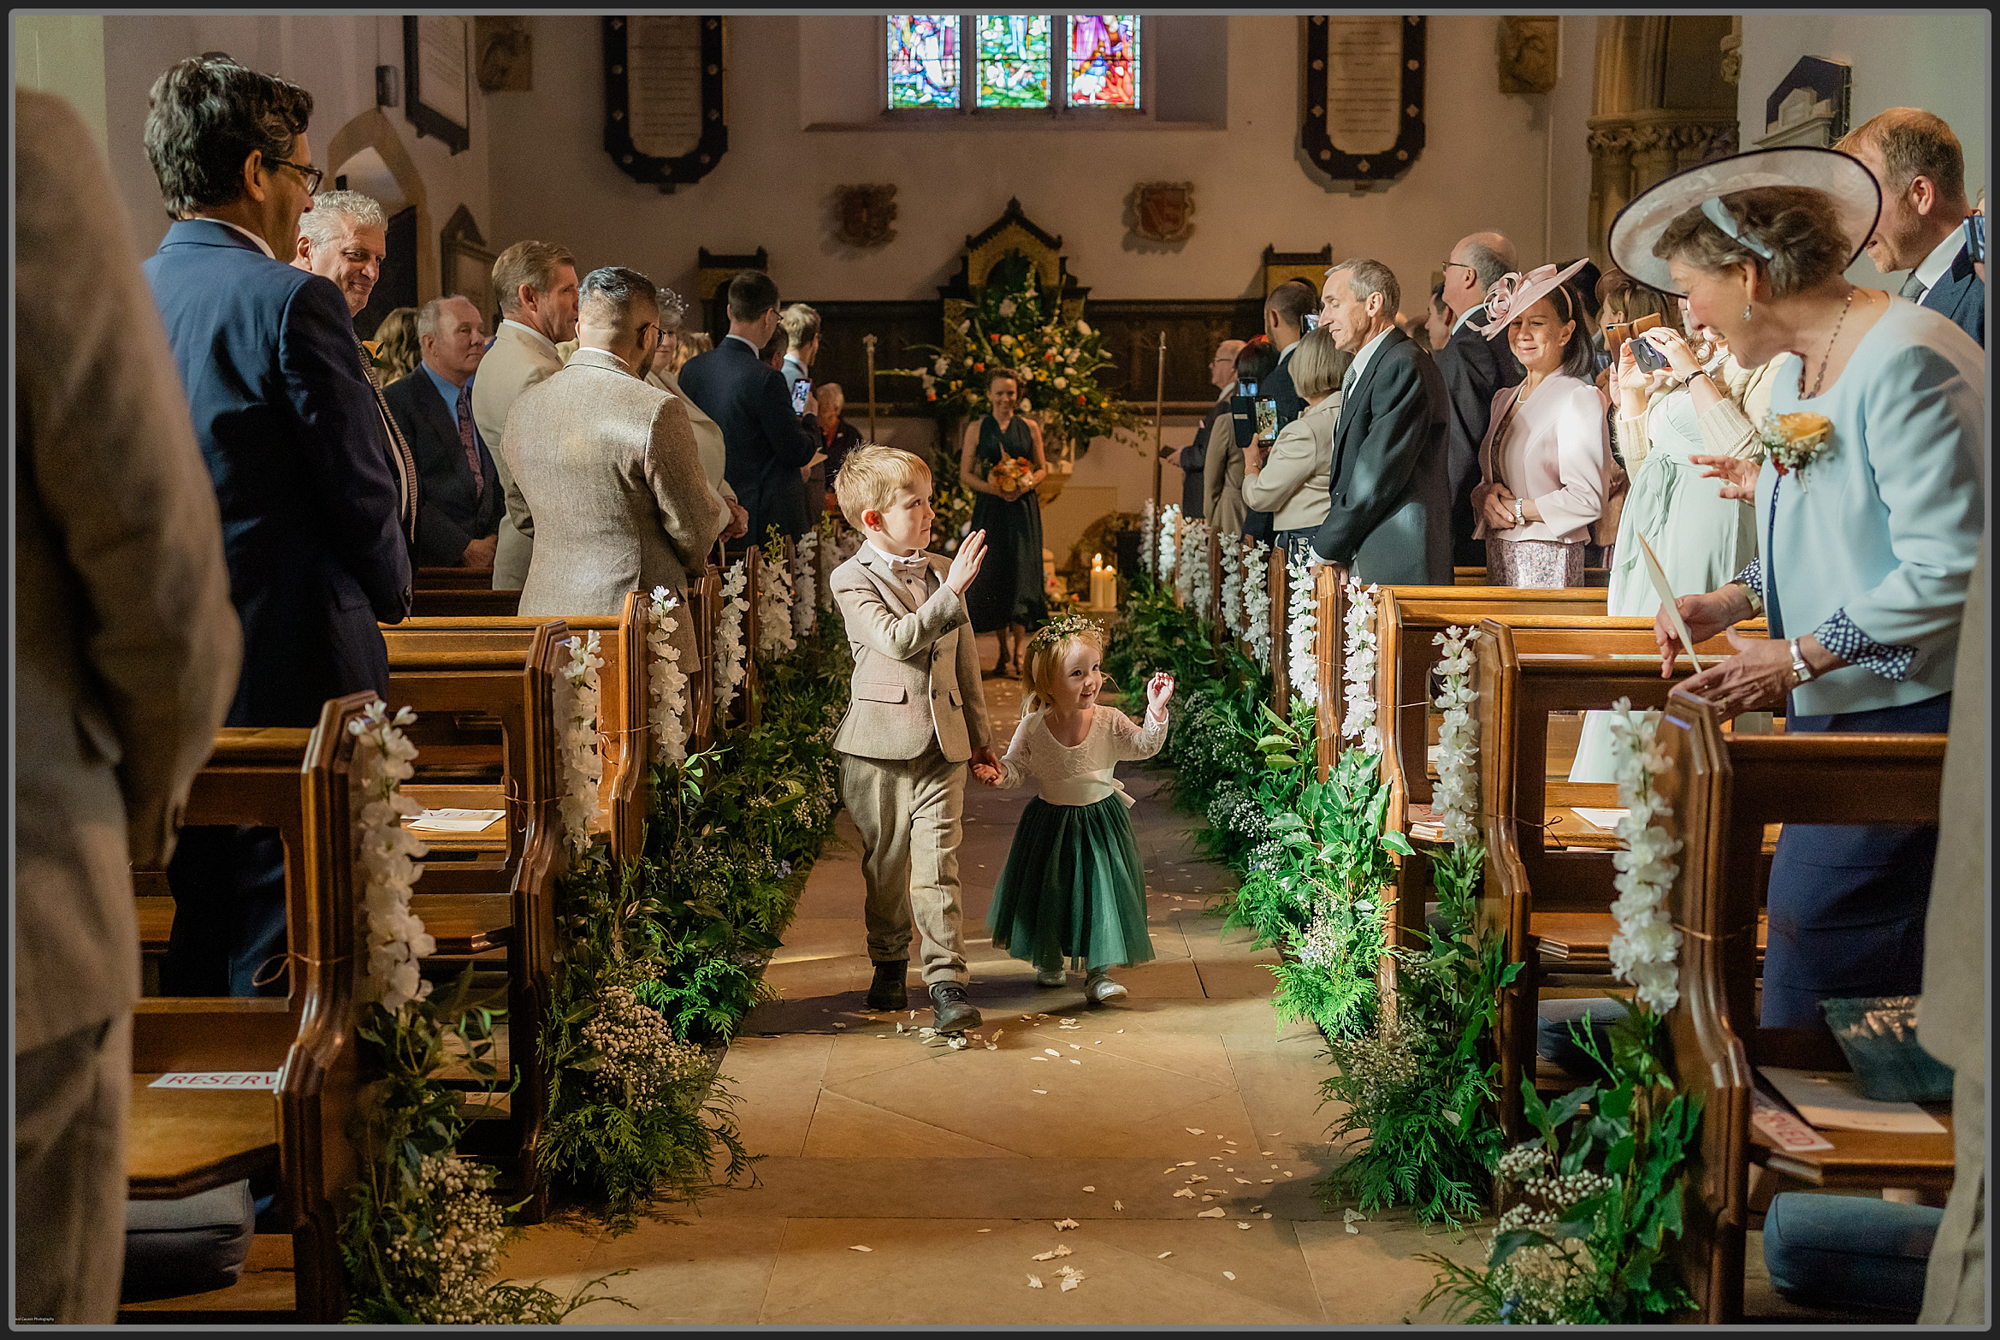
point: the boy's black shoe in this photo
(955, 1013)
(888, 991)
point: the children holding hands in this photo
(1074, 886)
(916, 716)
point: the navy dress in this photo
(1008, 589)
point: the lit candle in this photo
(1103, 584)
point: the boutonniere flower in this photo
(1794, 441)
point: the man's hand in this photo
(986, 765)
(965, 564)
(739, 519)
(479, 553)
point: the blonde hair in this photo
(1317, 364)
(870, 476)
(531, 263)
(1045, 658)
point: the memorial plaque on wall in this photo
(437, 75)
(1364, 82)
(663, 85)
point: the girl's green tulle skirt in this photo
(1074, 888)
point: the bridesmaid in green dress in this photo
(1007, 597)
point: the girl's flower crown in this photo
(1062, 628)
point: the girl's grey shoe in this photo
(1099, 987)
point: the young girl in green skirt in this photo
(1074, 886)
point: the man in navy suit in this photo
(294, 443)
(769, 444)
(1391, 515)
(1921, 167)
(461, 498)
(1474, 368)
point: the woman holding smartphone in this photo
(1222, 471)
(1547, 455)
(1292, 484)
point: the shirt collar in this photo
(1942, 255)
(614, 359)
(1468, 314)
(535, 336)
(262, 245)
(1286, 352)
(746, 344)
(1367, 352)
(918, 559)
(444, 387)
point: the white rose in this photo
(941, 366)
(1083, 329)
(1061, 382)
(1006, 307)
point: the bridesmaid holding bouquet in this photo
(1001, 460)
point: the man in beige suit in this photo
(537, 289)
(607, 464)
(917, 715)
(127, 651)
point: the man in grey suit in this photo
(608, 464)
(1921, 167)
(536, 284)
(127, 651)
(1391, 513)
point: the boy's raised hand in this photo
(1159, 692)
(965, 564)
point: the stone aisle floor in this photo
(952, 1167)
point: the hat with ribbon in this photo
(1857, 201)
(1513, 294)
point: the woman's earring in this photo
(1746, 311)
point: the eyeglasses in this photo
(1459, 264)
(311, 175)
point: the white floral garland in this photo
(1302, 624)
(774, 607)
(1645, 945)
(805, 582)
(729, 664)
(1147, 525)
(1358, 659)
(1231, 614)
(386, 853)
(667, 682)
(1456, 797)
(582, 765)
(1257, 602)
(1168, 568)
(1194, 574)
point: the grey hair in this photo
(672, 306)
(431, 315)
(317, 226)
(608, 295)
(1366, 277)
(1487, 264)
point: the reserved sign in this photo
(218, 1079)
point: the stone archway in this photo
(1662, 101)
(373, 130)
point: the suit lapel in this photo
(885, 576)
(404, 459)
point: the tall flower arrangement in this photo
(1358, 668)
(667, 683)
(1168, 567)
(1257, 603)
(1231, 614)
(729, 661)
(1198, 588)
(805, 586)
(1148, 526)
(1456, 797)
(1302, 624)
(774, 602)
(583, 766)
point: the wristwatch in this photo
(1519, 519)
(1799, 666)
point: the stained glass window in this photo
(1103, 64)
(923, 60)
(1013, 60)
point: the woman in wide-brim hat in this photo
(1869, 500)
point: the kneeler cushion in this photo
(1849, 1251)
(190, 1245)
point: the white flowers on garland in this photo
(666, 683)
(1456, 798)
(1194, 585)
(1302, 624)
(582, 765)
(1231, 613)
(1257, 602)
(1357, 720)
(1147, 526)
(1170, 526)
(774, 606)
(805, 596)
(387, 856)
(1645, 945)
(729, 665)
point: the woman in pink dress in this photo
(1547, 453)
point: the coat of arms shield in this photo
(863, 215)
(1163, 210)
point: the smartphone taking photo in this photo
(800, 390)
(1975, 238)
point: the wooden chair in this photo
(1723, 789)
(485, 699)
(180, 1142)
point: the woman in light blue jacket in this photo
(1867, 536)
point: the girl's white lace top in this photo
(1080, 775)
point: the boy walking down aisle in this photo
(917, 715)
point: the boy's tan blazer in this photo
(916, 667)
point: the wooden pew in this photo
(486, 714)
(1552, 903)
(1278, 576)
(705, 605)
(180, 1142)
(747, 710)
(1723, 789)
(1597, 577)
(460, 593)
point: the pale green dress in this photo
(1701, 538)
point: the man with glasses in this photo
(289, 428)
(1193, 457)
(609, 466)
(1474, 369)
